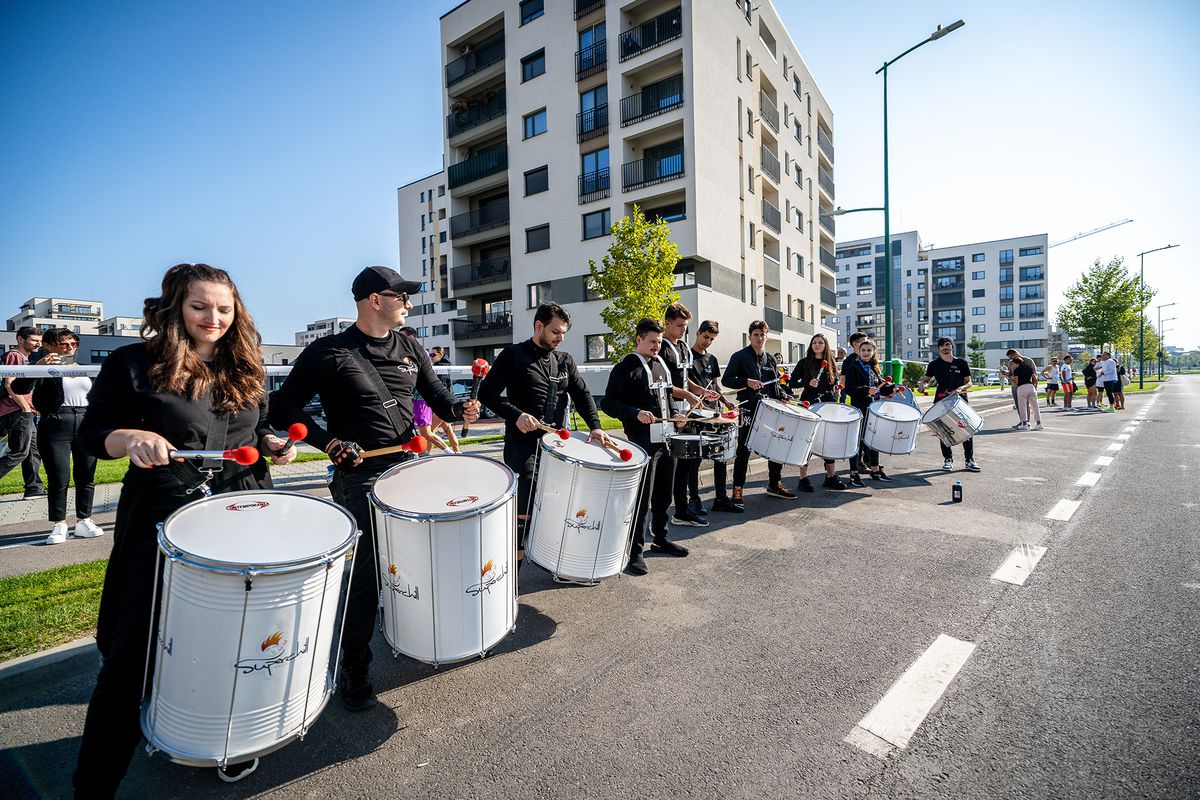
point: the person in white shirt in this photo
(1067, 374)
(1052, 372)
(1106, 377)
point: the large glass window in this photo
(1030, 251)
(1032, 273)
(535, 123)
(531, 10)
(1033, 292)
(1006, 256)
(597, 223)
(533, 65)
(598, 348)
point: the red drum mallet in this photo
(242, 455)
(417, 444)
(479, 368)
(297, 432)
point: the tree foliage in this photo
(1130, 342)
(1104, 305)
(976, 352)
(637, 277)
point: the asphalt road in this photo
(740, 670)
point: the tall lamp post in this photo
(838, 212)
(1142, 311)
(1160, 337)
(887, 229)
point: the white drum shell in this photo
(448, 578)
(839, 434)
(584, 509)
(783, 433)
(251, 665)
(891, 427)
(953, 420)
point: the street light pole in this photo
(887, 221)
(1160, 338)
(1142, 311)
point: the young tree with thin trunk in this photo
(1104, 305)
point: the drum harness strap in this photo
(390, 405)
(195, 479)
(660, 388)
(551, 407)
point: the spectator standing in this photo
(1122, 379)
(1052, 372)
(1089, 382)
(18, 418)
(1106, 378)
(1068, 382)
(1027, 402)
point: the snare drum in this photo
(446, 535)
(953, 420)
(584, 508)
(697, 446)
(838, 435)
(891, 427)
(783, 433)
(245, 629)
(718, 436)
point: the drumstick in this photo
(479, 368)
(296, 432)
(417, 444)
(563, 433)
(624, 453)
(242, 455)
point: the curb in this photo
(28, 675)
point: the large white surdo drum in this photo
(892, 427)
(245, 625)
(838, 435)
(783, 433)
(953, 420)
(445, 533)
(584, 508)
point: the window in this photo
(864, 280)
(1006, 311)
(1006, 274)
(598, 348)
(670, 213)
(978, 311)
(980, 328)
(753, 234)
(442, 190)
(796, 84)
(1033, 310)
(1006, 257)
(533, 65)
(948, 264)
(1006, 293)
(442, 237)
(593, 111)
(977, 292)
(753, 291)
(537, 238)
(1030, 251)
(441, 330)
(949, 317)
(1033, 292)
(531, 10)
(537, 180)
(800, 265)
(535, 123)
(1031, 326)
(978, 276)
(796, 131)
(422, 197)
(597, 224)
(1032, 273)
(977, 257)
(865, 292)
(1005, 326)
(539, 293)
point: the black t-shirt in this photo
(628, 392)
(519, 382)
(676, 355)
(706, 370)
(949, 375)
(1024, 374)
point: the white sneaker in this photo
(1022, 427)
(86, 529)
(948, 464)
(973, 467)
(1037, 427)
(58, 535)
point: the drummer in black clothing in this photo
(528, 384)
(816, 376)
(755, 373)
(855, 338)
(952, 376)
(864, 385)
(687, 396)
(705, 375)
(366, 376)
(638, 393)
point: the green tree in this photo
(1104, 304)
(976, 352)
(1130, 342)
(913, 372)
(637, 277)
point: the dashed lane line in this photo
(1063, 510)
(1115, 446)
(1088, 479)
(1103, 461)
(1019, 564)
(1122, 437)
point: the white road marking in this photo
(869, 742)
(1103, 461)
(1079, 435)
(1063, 510)
(1115, 446)
(1130, 429)
(1019, 564)
(1122, 437)
(1191, 586)
(896, 717)
(1088, 479)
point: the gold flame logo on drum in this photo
(274, 640)
(274, 649)
(398, 582)
(490, 574)
(580, 522)
(465, 499)
(248, 505)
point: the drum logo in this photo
(581, 523)
(248, 505)
(463, 500)
(398, 582)
(490, 575)
(274, 650)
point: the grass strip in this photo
(45, 609)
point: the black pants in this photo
(742, 462)
(57, 439)
(687, 481)
(22, 448)
(865, 455)
(655, 497)
(520, 455)
(968, 445)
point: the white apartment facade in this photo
(120, 326)
(81, 316)
(561, 116)
(322, 327)
(861, 288)
(424, 231)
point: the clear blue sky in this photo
(268, 138)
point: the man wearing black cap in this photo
(366, 376)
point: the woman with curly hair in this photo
(816, 377)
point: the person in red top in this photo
(18, 418)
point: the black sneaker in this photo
(728, 506)
(778, 490)
(834, 483)
(235, 772)
(689, 519)
(697, 509)
(805, 485)
(857, 482)
(357, 693)
(880, 476)
(669, 548)
(637, 565)
(37, 491)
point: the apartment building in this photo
(322, 327)
(81, 316)
(424, 231)
(120, 326)
(862, 287)
(719, 129)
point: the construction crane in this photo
(1093, 231)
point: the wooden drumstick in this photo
(563, 433)
(623, 453)
(417, 444)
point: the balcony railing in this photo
(825, 180)
(482, 56)
(481, 219)
(482, 326)
(591, 59)
(770, 164)
(482, 273)
(771, 216)
(828, 260)
(475, 114)
(593, 186)
(825, 143)
(828, 297)
(770, 113)
(664, 28)
(591, 123)
(488, 162)
(774, 318)
(585, 7)
(828, 221)
(665, 166)
(654, 99)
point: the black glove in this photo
(344, 455)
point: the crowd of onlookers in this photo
(1103, 379)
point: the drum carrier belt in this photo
(195, 478)
(390, 405)
(551, 408)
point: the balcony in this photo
(591, 59)
(829, 298)
(654, 99)
(771, 217)
(770, 164)
(585, 7)
(484, 273)
(593, 186)
(797, 325)
(483, 56)
(770, 272)
(769, 112)
(827, 222)
(666, 165)
(478, 221)
(473, 114)
(483, 326)
(825, 143)
(774, 318)
(591, 123)
(827, 259)
(666, 27)
(826, 181)
(488, 162)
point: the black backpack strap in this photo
(218, 429)
(391, 406)
(551, 409)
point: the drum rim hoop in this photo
(547, 445)
(448, 516)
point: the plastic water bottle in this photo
(956, 492)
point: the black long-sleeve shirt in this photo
(805, 371)
(519, 383)
(628, 392)
(746, 365)
(859, 379)
(352, 408)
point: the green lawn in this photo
(606, 422)
(44, 609)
